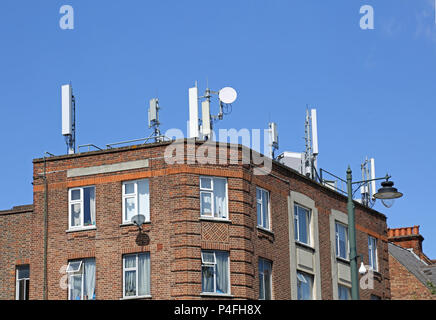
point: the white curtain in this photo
(90, 278)
(92, 204)
(207, 278)
(144, 274)
(219, 192)
(75, 214)
(130, 276)
(144, 199)
(222, 272)
(265, 211)
(89, 206)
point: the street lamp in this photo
(386, 192)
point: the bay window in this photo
(213, 197)
(136, 200)
(215, 272)
(81, 207)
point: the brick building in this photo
(413, 274)
(211, 230)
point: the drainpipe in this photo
(45, 230)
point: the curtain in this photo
(75, 214)
(265, 211)
(303, 220)
(144, 274)
(219, 192)
(76, 286)
(130, 283)
(89, 206)
(90, 279)
(130, 276)
(222, 272)
(261, 281)
(130, 207)
(267, 276)
(144, 199)
(207, 278)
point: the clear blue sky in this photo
(375, 90)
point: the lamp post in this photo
(387, 191)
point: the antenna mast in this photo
(69, 118)
(153, 118)
(311, 139)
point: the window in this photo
(81, 279)
(81, 207)
(215, 272)
(372, 253)
(341, 234)
(304, 286)
(136, 200)
(263, 208)
(213, 197)
(22, 282)
(302, 224)
(344, 293)
(136, 271)
(265, 271)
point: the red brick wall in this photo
(404, 285)
(177, 234)
(15, 230)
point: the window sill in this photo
(215, 294)
(129, 224)
(304, 245)
(81, 229)
(215, 219)
(136, 297)
(340, 259)
(265, 230)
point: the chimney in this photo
(407, 237)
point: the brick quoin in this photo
(176, 234)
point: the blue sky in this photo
(374, 90)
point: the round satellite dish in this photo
(139, 219)
(227, 95)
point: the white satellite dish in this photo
(227, 95)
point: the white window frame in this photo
(259, 201)
(347, 246)
(17, 281)
(372, 253)
(81, 201)
(270, 275)
(135, 196)
(78, 272)
(136, 274)
(210, 191)
(309, 225)
(213, 264)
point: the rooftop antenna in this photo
(311, 138)
(69, 117)
(226, 96)
(367, 190)
(153, 118)
(193, 112)
(273, 139)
